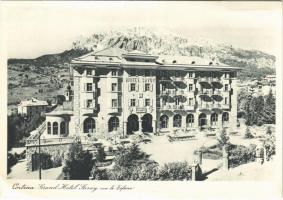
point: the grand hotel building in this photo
(119, 92)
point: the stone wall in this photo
(55, 150)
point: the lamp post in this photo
(39, 158)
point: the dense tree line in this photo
(20, 126)
(257, 110)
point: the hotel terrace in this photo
(118, 92)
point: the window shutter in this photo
(93, 87)
(129, 87)
(137, 102)
(137, 87)
(129, 102)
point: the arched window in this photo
(164, 121)
(214, 118)
(202, 119)
(62, 128)
(190, 120)
(177, 120)
(225, 118)
(113, 124)
(89, 125)
(55, 128)
(48, 128)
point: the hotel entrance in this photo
(132, 124)
(202, 120)
(147, 123)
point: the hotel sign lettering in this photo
(140, 80)
(141, 110)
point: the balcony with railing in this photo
(204, 106)
(115, 109)
(190, 107)
(206, 92)
(215, 79)
(88, 110)
(177, 93)
(177, 78)
(225, 106)
(164, 79)
(216, 106)
(204, 79)
(217, 92)
(50, 141)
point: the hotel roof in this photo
(119, 57)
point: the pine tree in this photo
(268, 112)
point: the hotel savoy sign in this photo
(140, 80)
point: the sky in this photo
(32, 29)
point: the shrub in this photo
(248, 134)
(240, 154)
(100, 156)
(270, 147)
(45, 160)
(78, 163)
(175, 171)
(97, 174)
(268, 131)
(11, 162)
(57, 161)
(145, 171)
(223, 138)
(128, 157)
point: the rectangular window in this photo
(163, 87)
(226, 87)
(191, 101)
(190, 87)
(133, 102)
(177, 101)
(147, 102)
(114, 103)
(114, 72)
(190, 74)
(226, 100)
(89, 103)
(147, 87)
(133, 87)
(89, 87)
(114, 87)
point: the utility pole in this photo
(39, 158)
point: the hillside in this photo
(46, 76)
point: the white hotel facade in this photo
(123, 93)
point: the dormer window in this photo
(147, 72)
(114, 72)
(110, 59)
(174, 61)
(193, 62)
(88, 72)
